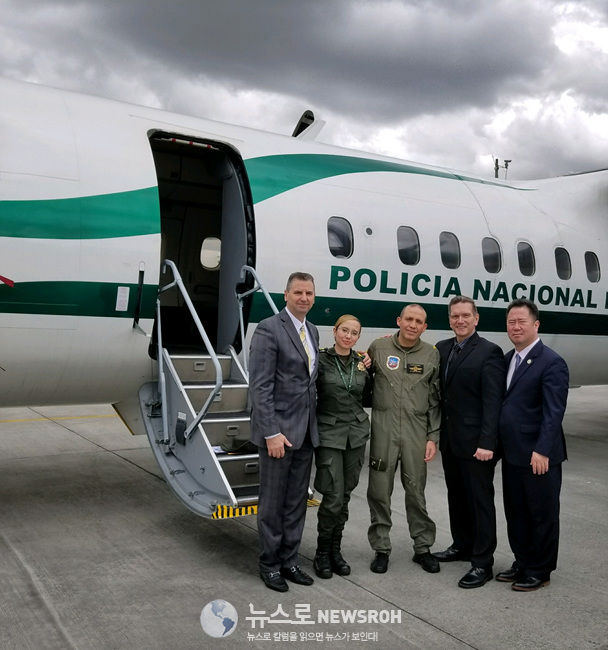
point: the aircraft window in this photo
(592, 264)
(211, 253)
(408, 245)
(563, 264)
(449, 248)
(340, 237)
(525, 256)
(492, 258)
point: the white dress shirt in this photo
(522, 355)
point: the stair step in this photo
(231, 398)
(199, 368)
(231, 433)
(241, 470)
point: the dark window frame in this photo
(449, 250)
(593, 274)
(340, 239)
(527, 267)
(409, 253)
(563, 263)
(487, 255)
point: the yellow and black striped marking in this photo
(228, 512)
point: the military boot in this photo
(338, 563)
(322, 562)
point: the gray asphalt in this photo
(95, 552)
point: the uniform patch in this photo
(392, 363)
(415, 368)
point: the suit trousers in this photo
(532, 513)
(337, 475)
(470, 486)
(282, 505)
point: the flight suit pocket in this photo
(378, 464)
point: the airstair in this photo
(197, 419)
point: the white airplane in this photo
(95, 195)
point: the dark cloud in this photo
(381, 59)
(366, 64)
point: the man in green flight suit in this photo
(406, 420)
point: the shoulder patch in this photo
(392, 362)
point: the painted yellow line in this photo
(62, 417)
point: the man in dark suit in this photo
(534, 448)
(284, 427)
(472, 386)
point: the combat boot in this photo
(338, 564)
(322, 562)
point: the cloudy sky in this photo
(445, 82)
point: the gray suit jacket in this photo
(281, 389)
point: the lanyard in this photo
(352, 373)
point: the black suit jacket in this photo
(533, 408)
(281, 388)
(471, 395)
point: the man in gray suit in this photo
(283, 425)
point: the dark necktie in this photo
(455, 350)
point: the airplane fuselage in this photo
(94, 193)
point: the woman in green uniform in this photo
(343, 386)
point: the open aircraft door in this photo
(197, 416)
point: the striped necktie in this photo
(305, 344)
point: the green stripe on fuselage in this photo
(124, 214)
(75, 299)
(273, 175)
(383, 314)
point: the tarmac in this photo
(96, 553)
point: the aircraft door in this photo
(207, 231)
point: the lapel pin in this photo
(529, 361)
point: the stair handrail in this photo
(241, 297)
(178, 282)
(161, 372)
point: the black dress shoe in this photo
(427, 562)
(510, 575)
(530, 584)
(476, 576)
(452, 554)
(379, 563)
(273, 580)
(295, 574)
